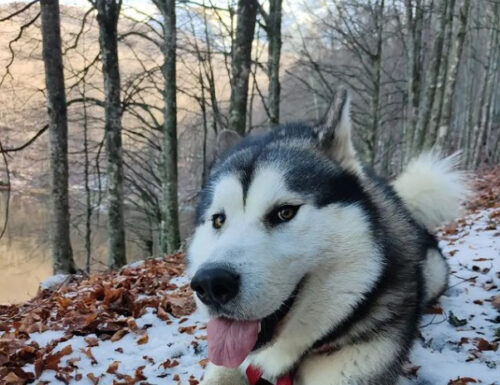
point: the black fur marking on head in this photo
(306, 170)
(241, 160)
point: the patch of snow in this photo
(46, 337)
(446, 352)
(135, 264)
(180, 280)
(54, 281)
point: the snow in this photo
(54, 281)
(443, 353)
(164, 342)
(474, 258)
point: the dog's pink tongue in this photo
(230, 342)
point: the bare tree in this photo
(108, 12)
(273, 29)
(414, 22)
(455, 59)
(443, 77)
(170, 238)
(240, 67)
(62, 254)
(428, 99)
(488, 85)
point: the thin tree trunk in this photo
(107, 15)
(453, 71)
(443, 77)
(485, 100)
(203, 107)
(242, 60)
(88, 202)
(489, 147)
(274, 56)
(430, 90)
(377, 87)
(170, 237)
(415, 24)
(59, 221)
(209, 73)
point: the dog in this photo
(311, 269)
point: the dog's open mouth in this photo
(231, 341)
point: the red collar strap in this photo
(254, 375)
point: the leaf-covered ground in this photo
(137, 326)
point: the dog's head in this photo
(275, 209)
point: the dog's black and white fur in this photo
(356, 264)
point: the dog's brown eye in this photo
(218, 220)
(286, 213)
(282, 214)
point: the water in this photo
(24, 249)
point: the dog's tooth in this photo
(260, 326)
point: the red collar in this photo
(254, 374)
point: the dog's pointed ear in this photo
(334, 135)
(225, 140)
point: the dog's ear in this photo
(334, 135)
(225, 140)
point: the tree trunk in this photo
(487, 86)
(430, 90)
(443, 77)
(414, 21)
(274, 56)
(59, 222)
(455, 60)
(377, 86)
(86, 175)
(170, 238)
(240, 67)
(107, 15)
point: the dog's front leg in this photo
(218, 375)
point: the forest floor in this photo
(138, 325)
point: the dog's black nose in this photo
(215, 285)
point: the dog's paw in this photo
(217, 375)
(275, 362)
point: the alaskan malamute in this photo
(312, 270)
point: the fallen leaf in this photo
(495, 301)
(113, 367)
(119, 335)
(51, 362)
(483, 345)
(93, 378)
(454, 321)
(143, 339)
(187, 329)
(91, 341)
(462, 381)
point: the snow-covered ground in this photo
(458, 343)
(446, 352)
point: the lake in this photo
(24, 249)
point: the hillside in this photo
(137, 326)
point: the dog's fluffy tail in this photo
(433, 189)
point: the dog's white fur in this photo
(436, 272)
(433, 189)
(350, 365)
